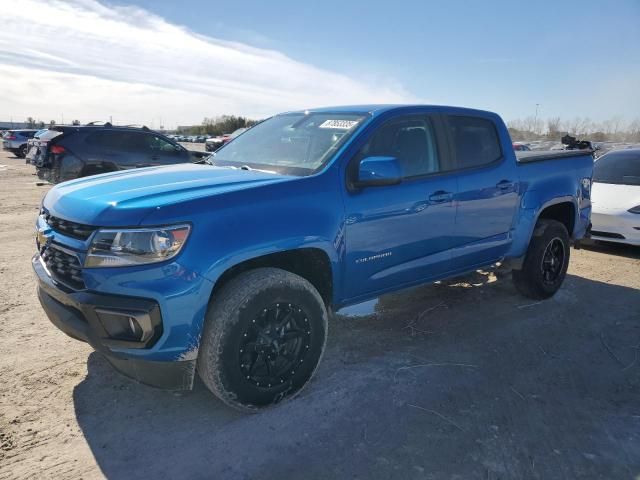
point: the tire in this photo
(244, 328)
(543, 270)
(22, 152)
(51, 175)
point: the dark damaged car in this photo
(81, 151)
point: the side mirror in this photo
(378, 171)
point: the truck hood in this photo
(124, 198)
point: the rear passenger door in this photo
(113, 149)
(487, 196)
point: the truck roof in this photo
(376, 109)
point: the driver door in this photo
(400, 234)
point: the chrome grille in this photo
(63, 266)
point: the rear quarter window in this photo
(475, 141)
(117, 140)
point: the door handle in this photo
(155, 157)
(440, 197)
(505, 185)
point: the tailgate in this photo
(38, 148)
(32, 152)
(38, 153)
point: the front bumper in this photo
(76, 314)
(616, 227)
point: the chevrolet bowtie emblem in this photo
(42, 239)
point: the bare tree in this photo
(553, 126)
(634, 130)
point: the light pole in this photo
(535, 121)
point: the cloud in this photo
(89, 60)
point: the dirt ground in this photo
(462, 379)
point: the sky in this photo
(173, 63)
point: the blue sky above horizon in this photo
(256, 58)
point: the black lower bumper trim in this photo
(65, 318)
(177, 375)
(74, 314)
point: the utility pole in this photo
(535, 121)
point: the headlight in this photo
(634, 209)
(120, 248)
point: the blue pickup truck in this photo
(230, 267)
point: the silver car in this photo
(15, 141)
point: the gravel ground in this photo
(461, 379)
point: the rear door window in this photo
(109, 140)
(475, 141)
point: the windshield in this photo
(621, 167)
(237, 132)
(291, 144)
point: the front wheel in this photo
(264, 335)
(546, 262)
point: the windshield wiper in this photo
(209, 161)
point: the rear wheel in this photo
(264, 335)
(545, 265)
(22, 152)
(51, 175)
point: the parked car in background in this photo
(39, 141)
(15, 141)
(234, 134)
(230, 268)
(80, 151)
(214, 143)
(521, 147)
(616, 197)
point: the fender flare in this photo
(225, 264)
(516, 262)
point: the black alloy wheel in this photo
(274, 345)
(264, 335)
(552, 261)
(546, 262)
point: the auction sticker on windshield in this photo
(339, 124)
